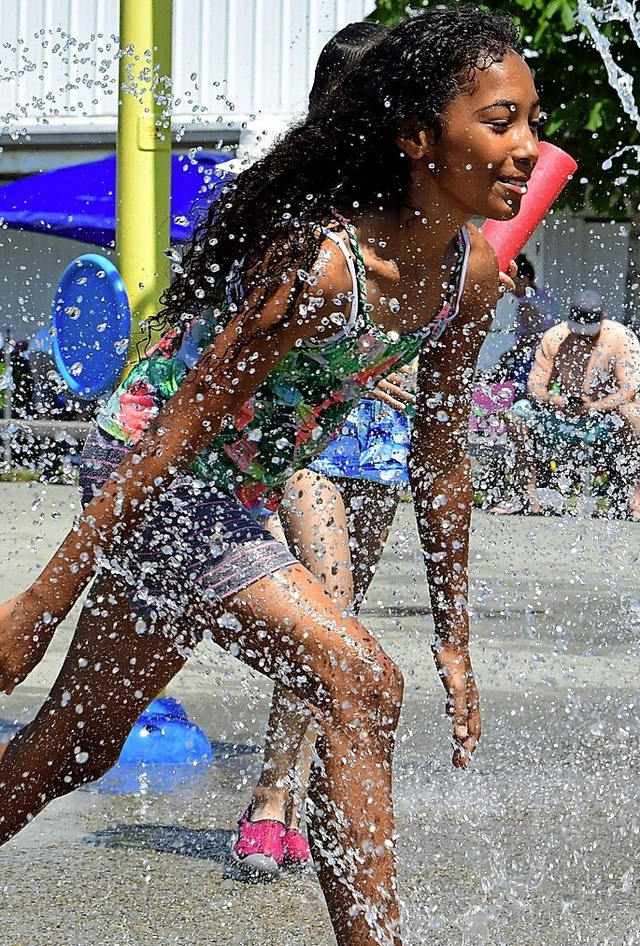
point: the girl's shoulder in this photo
(481, 282)
(336, 264)
(483, 262)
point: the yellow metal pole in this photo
(143, 176)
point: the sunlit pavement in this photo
(536, 844)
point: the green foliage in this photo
(585, 115)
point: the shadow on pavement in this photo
(208, 844)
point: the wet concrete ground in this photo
(536, 844)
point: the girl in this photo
(284, 310)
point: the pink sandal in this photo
(260, 845)
(296, 850)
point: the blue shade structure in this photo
(79, 202)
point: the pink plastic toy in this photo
(551, 173)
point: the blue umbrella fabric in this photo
(78, 202)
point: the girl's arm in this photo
(226, 375)
(441, 485)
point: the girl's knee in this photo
(370, 688)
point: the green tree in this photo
(585, 113)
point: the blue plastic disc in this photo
(91, 320)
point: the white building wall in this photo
(232, 59)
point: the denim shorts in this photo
(196, 540)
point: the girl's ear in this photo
(416, 142)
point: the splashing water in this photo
(620, 81)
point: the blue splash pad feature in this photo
(163, 751)
(91, 322)
(163, 735)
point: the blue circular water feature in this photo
(164, 735)
(92, 325)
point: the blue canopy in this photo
(78, 202)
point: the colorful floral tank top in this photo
(298, 408)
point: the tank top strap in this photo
(354, 246)
(357, 271)
(451, 305)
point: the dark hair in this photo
(343, 155)
(525, 267)
(341, 52)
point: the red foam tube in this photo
(551, 173)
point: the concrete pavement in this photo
(536, 844)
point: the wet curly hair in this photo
(343, 155)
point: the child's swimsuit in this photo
(289, 420)
(372, 444)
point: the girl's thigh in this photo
(314, 521)
(287, 626)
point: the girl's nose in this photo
(527, 148)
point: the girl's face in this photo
(488, 146)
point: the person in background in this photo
(583, 387)
(537, 311)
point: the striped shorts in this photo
(196, 541)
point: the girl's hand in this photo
(588, 404)
(463, 704)
(397, 389)
(506, 279)
(25, 634)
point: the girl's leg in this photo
(351, 519)
(291, 631)
(313, 523)
(111, 672)
(370, 510)
(314, 519)
(277, 793)
(338, 531)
